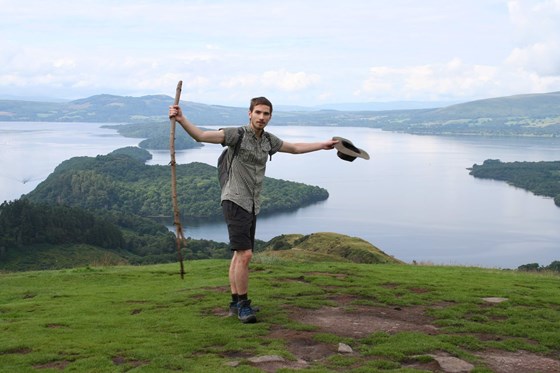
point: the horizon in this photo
(342, 106)
(294, 53)
(400, 104)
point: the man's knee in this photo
(244, 255)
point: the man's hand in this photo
(329, 144)
(175, 112)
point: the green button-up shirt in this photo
(246, 176)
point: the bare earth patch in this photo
(518, 362)
(302, 345)
(59, 365)
(361, 321)
(121, 360)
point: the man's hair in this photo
(260, 101)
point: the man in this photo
(241, 193)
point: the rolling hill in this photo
(114, 109)
(519, 115)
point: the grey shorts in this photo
(241, 226)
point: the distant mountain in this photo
(116, 109)
(529, 105)
(369, 106)
(519, 115)
(389, 105)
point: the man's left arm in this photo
(306, 147)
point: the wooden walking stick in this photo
(180, 238)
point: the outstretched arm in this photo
(210, 136)
(307, 147)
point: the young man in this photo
(241, 193)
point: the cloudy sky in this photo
(296, 52)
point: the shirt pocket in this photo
(266, 146)
(254, 154)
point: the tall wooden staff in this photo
(180, 238)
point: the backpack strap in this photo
(267, 135)
(240, 132)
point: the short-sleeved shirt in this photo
(246, 175)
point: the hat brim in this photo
(348, 151)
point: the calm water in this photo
(414, 199)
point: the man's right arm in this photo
(209, 136)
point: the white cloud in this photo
(281, 80)
(537, 33)
(542, 58)
(427, 82)
(289, 81)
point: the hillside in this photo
(519, 115)
(314, 317)
(325, 247)
(529, 105)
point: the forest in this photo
(62, 236)
(124, 183)
(540, 178)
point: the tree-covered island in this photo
(121, 181)
(155, 135)
(540, 178)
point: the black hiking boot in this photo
(245, 313)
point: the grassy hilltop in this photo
(393, 317)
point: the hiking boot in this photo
(234, 311)
(245, 312)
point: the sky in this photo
(295, 52)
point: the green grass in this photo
(146, 319)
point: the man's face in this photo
(259, 117)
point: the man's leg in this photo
(239, 284)
(234, 294)
(239, 271)
(241, 229)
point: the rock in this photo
(494, 299)
(344, 348)
(266, 359)
(450, 364)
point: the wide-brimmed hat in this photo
(347, 151)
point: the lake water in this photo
(414, 199)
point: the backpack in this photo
(224, 164)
